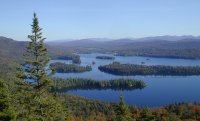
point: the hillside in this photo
(161, 46)
(13, 50)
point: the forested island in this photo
(74, 57)
(69, 68)
(117, 68)
(82, 83)
(105, 57)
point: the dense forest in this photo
(69, 68)
(131, 69)
(105, 57)
(82, 83)
(83, 109)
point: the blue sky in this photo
(63, 19)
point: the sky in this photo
(77, 19)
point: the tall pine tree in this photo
(34, 97)
(36, 58)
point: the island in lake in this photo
(117, 68)
(69, 68)
(73, 57)
(105, 57)
(83, 83)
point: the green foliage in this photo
(173, 117)
(131, 69)
(46, 108)
(7, 112)
(146, 115)
(184, 110)
(69, 68)
(83, 107)
(122, 111)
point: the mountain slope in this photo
(12, 49)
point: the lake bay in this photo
(160, 90)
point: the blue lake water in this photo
(160, 90)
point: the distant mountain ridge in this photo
(160, 46)
(187, 47)
(174, 41)
(153, 38)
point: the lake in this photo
(160, 90)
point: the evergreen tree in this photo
(122, 111)
(6, 110)
(34, 66)
(35, 101)
(36, 59)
